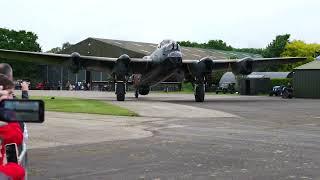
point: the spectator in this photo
(7, 72)
(9, 133)
(68, 84)
(88, 87)
(6, 69)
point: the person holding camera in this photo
(9, 133)
(6, 70)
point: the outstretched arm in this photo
(25, 89)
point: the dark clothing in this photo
(25, 95)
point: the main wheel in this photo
(199, 92)
(136, 95)
(285, 94)
(120, 91)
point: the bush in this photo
(278, 82)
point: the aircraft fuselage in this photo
(167, 59)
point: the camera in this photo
(20, 110)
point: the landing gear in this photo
(144, 90)
(136, 94)
(199, 91)
(120, 91)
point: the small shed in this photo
(254, 84)
(306, 80)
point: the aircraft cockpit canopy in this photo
(169, 44)
(164, 42)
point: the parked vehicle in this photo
(226, 88)
(287, 92)
(276, 90)
(283, 91)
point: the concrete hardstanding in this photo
(226, 137)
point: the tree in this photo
(188, 44)
(218, 44)
(55, 50)
(24, 41)
(277, 46)
(66, 45)
(59, 49)
(274, 49)
(300, 49)
(212, 44)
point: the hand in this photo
(5, 94)
(24, 86)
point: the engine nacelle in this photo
(121, 68)
(206, 65)
(76, 64)
(203, 67)
(244, 67)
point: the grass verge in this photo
(77, 105)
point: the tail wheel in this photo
(199, 92)
(120, 91)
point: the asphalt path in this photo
(226, 137)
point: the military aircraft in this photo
(166, 61)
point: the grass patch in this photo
(187, 87)
(77, 105)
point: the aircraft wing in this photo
(87, 62)
(245, 64)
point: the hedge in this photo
(279, 81)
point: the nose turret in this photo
(173, 59)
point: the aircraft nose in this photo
(175, 54)
(175, 57)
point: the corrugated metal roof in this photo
(188, 52)
(274, 75)
(311, 65)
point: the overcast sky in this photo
(241, 23)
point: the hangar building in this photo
(306, 80)
(115, 48)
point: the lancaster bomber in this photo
(165, 62)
